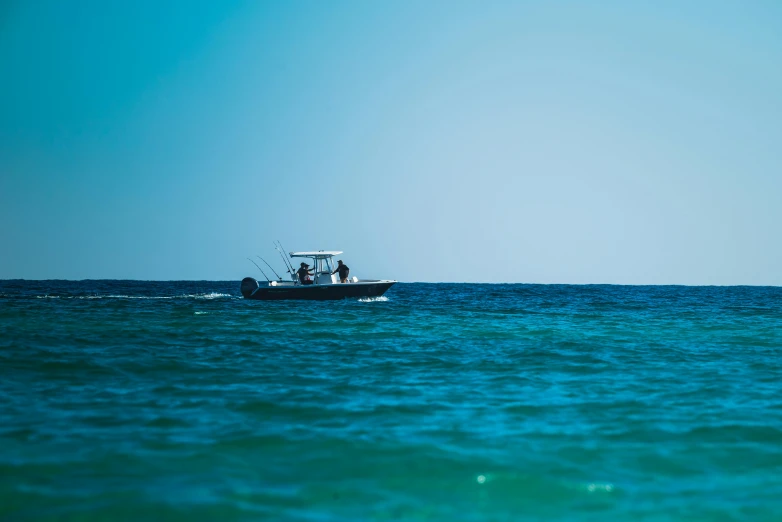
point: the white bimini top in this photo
(321, 254)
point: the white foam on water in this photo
(128, 297)
(201, 313)
(595, 487)
(212, 295)
(380, 299)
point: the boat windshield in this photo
(323, 265)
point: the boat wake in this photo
(211, 295)
(382, 299)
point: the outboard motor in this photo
(249, 286)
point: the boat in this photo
(324, 285)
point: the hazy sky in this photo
(550, 142)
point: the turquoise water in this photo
(180, 401)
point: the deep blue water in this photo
(181, 401)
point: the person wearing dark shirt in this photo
(343, 271)
(304, 274)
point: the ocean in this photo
(133, 400)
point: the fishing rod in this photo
(283, 258)
(283, 250)
(270, 266)
(287, 268)
(288, 258)
(259, 268)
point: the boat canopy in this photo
(321, 254)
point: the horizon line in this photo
(414, 282)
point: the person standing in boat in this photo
(304, 274)
(343, 271)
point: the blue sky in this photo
(541, 142)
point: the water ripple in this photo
(130, 400)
